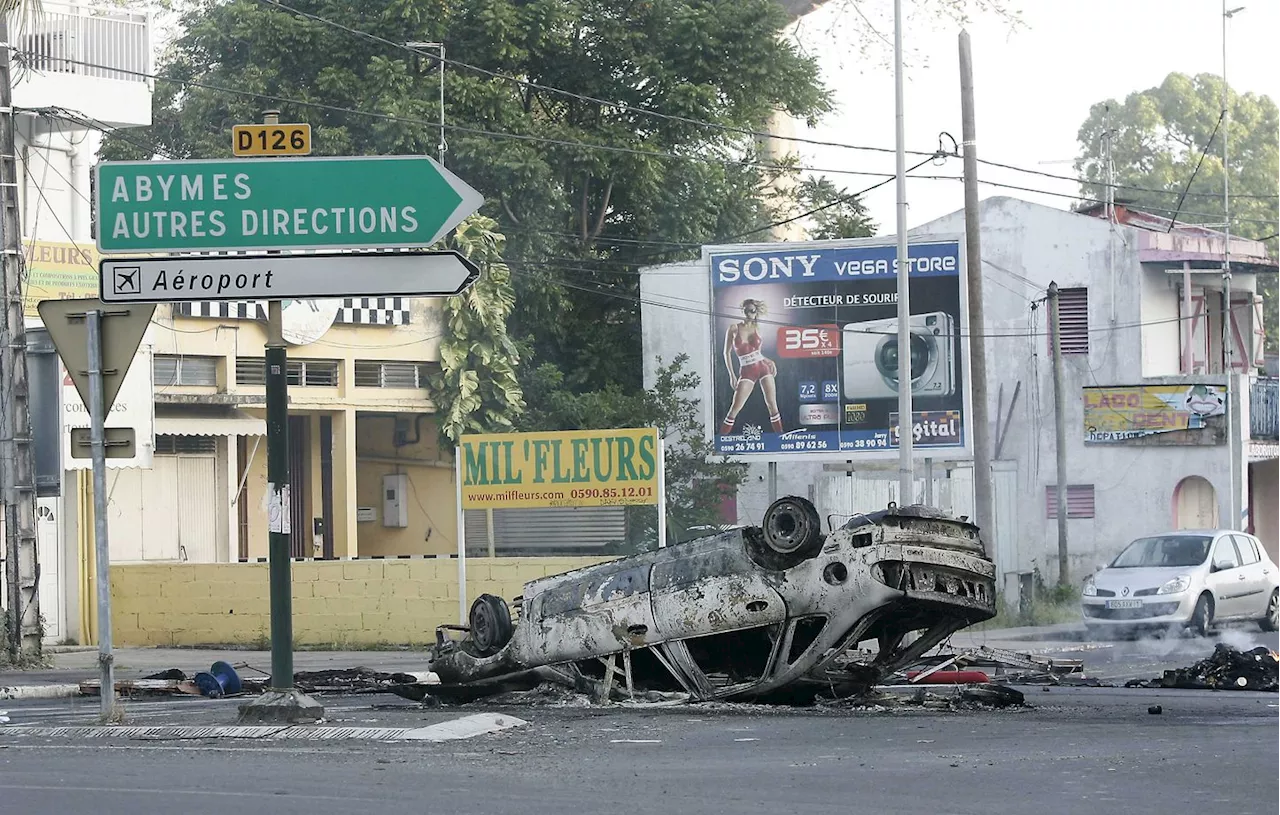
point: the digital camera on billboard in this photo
(870, 357)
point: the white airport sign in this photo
(277, 277)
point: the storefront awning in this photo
(236, 423)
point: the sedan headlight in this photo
(1089, 590)
(1175, 586)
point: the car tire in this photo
(1198, 625)
(491, 626)
(792, 525)
(1271, 620)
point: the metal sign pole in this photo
(662, 493)
(462, 537)
(101, 548)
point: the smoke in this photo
(1238, 638)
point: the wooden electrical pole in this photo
(979, 424)
(17, 475)
(1060, 431)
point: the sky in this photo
(1033, 86)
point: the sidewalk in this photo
(72, 665)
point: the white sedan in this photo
(1185, 579)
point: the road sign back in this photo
(122, 329)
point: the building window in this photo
(316, 373)
(1079, 501)
(191, 445)
(372, 373)
(1073, 319)
(176, 369)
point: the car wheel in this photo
(1272, 620)
(491, 626)
(791, 525)
(1201, 617)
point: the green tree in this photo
(476, 390)
(1158, 137)
(836, 214)
(697, 481)
(579, 218)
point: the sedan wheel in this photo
(1199, 623)
(1272, 621)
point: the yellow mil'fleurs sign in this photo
(574, 468)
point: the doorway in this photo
(1195, 504)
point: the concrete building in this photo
(1141, 306)
(367, 475)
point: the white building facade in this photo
(1126, 325)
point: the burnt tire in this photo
(491, 626)
(791, 525)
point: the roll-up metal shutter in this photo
(546, 531)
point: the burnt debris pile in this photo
(1227, 668)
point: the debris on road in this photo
(1227, 668)
(1155, 710)
(985, 663)
(767, 613)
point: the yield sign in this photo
(122, 330)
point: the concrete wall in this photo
(342, 603)
(433, 522)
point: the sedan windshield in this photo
(1169, 550)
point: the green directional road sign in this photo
(277, 203)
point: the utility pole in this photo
(1060, 431)
(983, 503)
(906, 418)
(1228, 314)
(17, 481)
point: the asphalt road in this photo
(1072, 748)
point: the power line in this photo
(1131, 187)
(706, 311)
(647, 153)
(1192, 179)
(742, 131)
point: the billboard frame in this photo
(961, 452)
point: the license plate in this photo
(1124, 604)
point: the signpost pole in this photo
(662, 493)
(286, 703)
(101, 548)
(462, 538)
(277, 382)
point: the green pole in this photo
(277, 382)
(278, 554)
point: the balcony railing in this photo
(1264, 407)
(99, 43)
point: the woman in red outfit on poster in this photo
(743, 340)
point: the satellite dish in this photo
(305, 321)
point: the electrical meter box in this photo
(395, 498)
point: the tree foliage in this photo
(1159, 137)
(697, 481)
(476, 390)
(836, 214)
(585, 192)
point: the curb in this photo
(39, 691)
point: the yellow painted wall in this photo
(343, 603)
(433, 523)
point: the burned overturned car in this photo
(774, 612)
